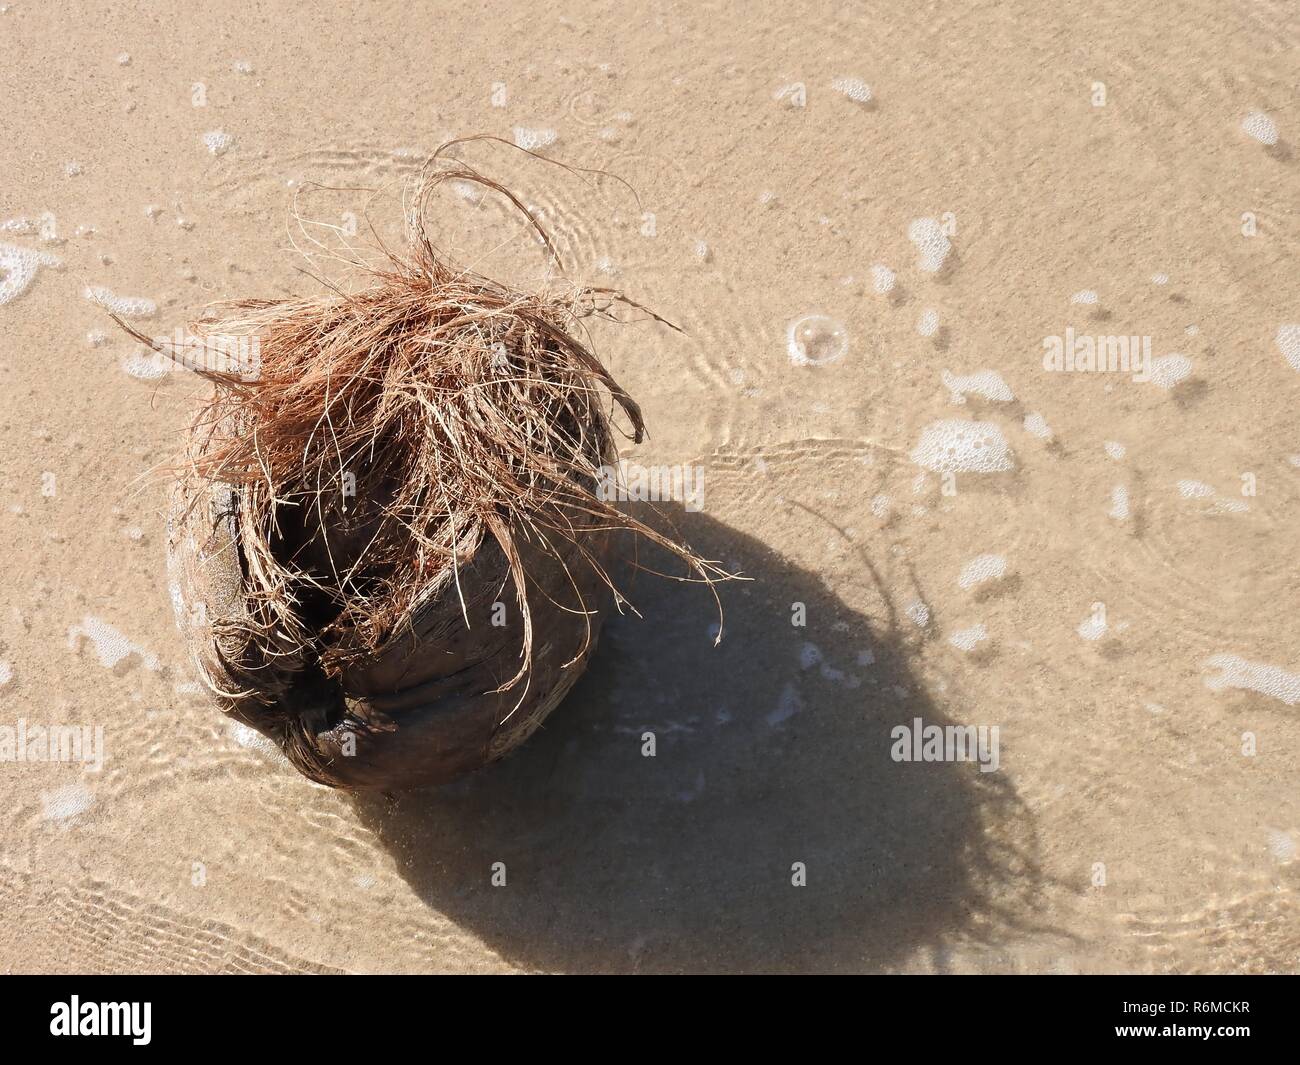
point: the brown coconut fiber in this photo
(387, 549)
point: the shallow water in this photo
(873, 229)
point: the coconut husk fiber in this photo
(386, 547)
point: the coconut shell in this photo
(426, 707)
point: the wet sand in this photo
(874, 228)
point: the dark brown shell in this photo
(423, 710)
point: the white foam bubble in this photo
(1115, 450)
(1087, 297)
(980, 569)
(1093, 627)
(1261, 127)
(855, 89)
(6, 673)
(815, 340)
(880, 505)
(218, 142)
(969, 639)
(59, 804)
(1159, 279)
(1036, 425)
(1119, 503)
(1240, 673)
(111, 646)
(1190, 489)
(1288, 343)
(954, 446)
(534, 139)
(122, 306)
(987, 384)
(1170, 370)
(1281, 844)
(18, 269)
(928, 324)
(931, 242)
(883, 279)
(145, 365)
(918, 612)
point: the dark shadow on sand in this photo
(772, 749)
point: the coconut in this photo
(388, 549)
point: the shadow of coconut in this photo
(771, 749)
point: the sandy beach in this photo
(989, 362)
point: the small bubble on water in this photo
(815, 340)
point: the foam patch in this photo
(987, 384)
(18, 268)
(60, 804)
(218, 142)
(981, 569)
(1240, 673)
(1288, 343)
(122, 306)
(931, 242)
(956, 446)
(534, 139)
(969, 639)
(1119, 503)
(1036, 425)
(1170, 370)
(1092, 627)
(111, 646)
(1260, 127)
(855, 89)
